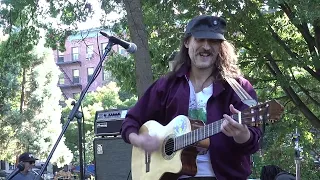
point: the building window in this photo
(76, 76)
(106, 75)
(75, 54)
(3, 165)
(103, 46)
(60, 56)
(61, 79)
(89, 52)
(90, 73)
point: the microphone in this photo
(130, 47)
(20, 167)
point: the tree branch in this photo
(314, 74)
(316, 26)
(304, 90)
(282, 43)
(274, 69)
(303, 27)
(255, 80)
(292, 54)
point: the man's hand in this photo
(145, 142)
(232, 128)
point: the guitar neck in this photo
(253, 116)
(199, 134)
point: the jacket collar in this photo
(183, 70)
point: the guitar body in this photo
(164, 163)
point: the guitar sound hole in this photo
(169, 147)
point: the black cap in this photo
(206, 27)
(27, 157)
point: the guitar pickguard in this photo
(180, 126)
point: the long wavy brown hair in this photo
(225, 65)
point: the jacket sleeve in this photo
(147, 108)
(252, 145)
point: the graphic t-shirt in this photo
(197, 110)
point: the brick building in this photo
(79, 61)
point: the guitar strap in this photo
(243, 95)
(248, 100)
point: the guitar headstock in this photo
(268, 112)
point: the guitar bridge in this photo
(147, 161)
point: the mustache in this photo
(205, 51)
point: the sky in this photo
(98, 14)
(92, 22)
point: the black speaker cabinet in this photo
(112, 158)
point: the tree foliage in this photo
(24, 88)
(22, 91)
(278, 44)
(58, 17)
(32, 127)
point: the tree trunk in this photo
(23, 83)
(138, 35)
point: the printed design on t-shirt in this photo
(197, 110)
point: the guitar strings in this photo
(201, 133)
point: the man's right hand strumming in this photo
(145, 142)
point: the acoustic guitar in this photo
(181, 139)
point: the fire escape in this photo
(68, 82)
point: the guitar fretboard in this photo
(199, 134)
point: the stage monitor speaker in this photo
(112, 158)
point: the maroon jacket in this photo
(169, 97)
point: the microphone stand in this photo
(79, 116)
(297, 149)
(74, 113)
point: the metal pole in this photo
(79, 118)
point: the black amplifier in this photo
(108, 122)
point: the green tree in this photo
(30, 124)
(58, 17)
(278, 45)
(45, 90)
(13, 60)
(247, 22)
(21, 22)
